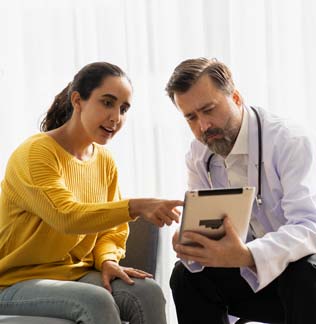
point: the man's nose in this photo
(204, 124)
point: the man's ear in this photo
(75, 100)
(237, 98)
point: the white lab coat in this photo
(288, 212)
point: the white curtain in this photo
(269, 45)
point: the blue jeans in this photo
(86, 300)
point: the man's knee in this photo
(297, 278)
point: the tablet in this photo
(204, 210)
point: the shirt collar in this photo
(241, 144)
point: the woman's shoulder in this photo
(34, 150)
(36, 145)
(39, 140)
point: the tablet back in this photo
(204, 211)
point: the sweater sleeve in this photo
(111, 244)
(34, 181)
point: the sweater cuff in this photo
(105, 257)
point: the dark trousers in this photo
(208, 296)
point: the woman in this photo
(63, 224)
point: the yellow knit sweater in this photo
(59, 216)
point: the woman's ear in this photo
(75, 100)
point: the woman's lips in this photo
(108, 130)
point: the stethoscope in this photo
(208, 163)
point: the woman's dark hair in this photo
(189, 71)
(85, 81)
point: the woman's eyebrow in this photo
(109, 95)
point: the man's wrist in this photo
(250, 261)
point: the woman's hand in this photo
(111, 270)
(156, 211)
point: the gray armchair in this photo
(141, 253)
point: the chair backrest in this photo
(142, 246)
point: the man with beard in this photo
(272, 277)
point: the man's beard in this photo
(221, 146)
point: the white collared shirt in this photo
(236, 163)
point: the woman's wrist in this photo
(106, 261)
(134, 207)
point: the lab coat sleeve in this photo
(194, 178)
(294, 164)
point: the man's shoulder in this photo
(283, 127)
(269, 119)
(286, 137)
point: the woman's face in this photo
(104, 113)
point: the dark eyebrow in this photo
(200, 109)
(108, 95)
(189, 115)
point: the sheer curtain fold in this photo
(269, 45)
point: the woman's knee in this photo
(93, 298)
(149, 287)
(140, 290)
(66, 299)
(142, 302)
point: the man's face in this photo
(213, 116)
